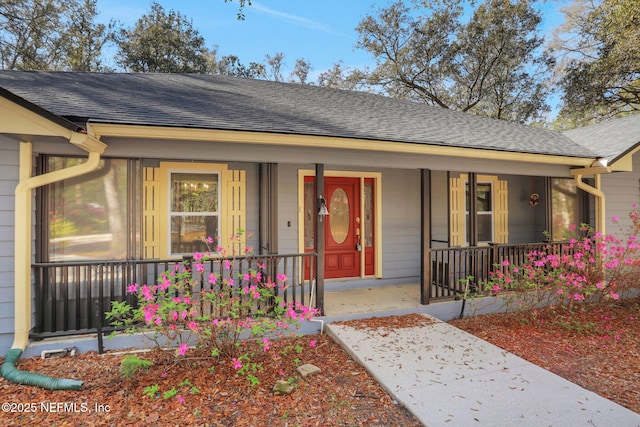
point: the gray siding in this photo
(401, 224)
(526, 222)
(621, 190)
(439, 209)
(9, 162)
(288, 207)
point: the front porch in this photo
(71, 298)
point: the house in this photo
(105, 178)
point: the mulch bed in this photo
(343, 394)
(596, 347)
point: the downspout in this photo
(22, 255)
(596, 191)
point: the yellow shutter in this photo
(501, 214)
(151, 213)
(234, 218)
(457, 210)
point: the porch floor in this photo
(372, 299)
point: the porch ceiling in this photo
(111, 132)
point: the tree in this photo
(338, 77)
(275, 63)
(31, 33)
(599, 67)
(242, 4)
(162, 43)
(51, 35)
(492, 65)
(84, 40)
(300, 72)
(230, 65)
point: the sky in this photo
(320, 31)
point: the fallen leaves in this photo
(343, 394)
(593, 348)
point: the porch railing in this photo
(455, 268)
(71, 298)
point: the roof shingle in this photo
(228, 103)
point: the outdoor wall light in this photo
(322, 209)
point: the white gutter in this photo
(22, 226)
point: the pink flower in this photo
(181, 399)
(147, 293)
(132, 289)
(213, 279)
(506, 262)
(615, 219)
(236, 363)
(281, 277)
(182, 349)
(193, 326)
(312, 343)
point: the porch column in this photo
(319, 239)
(268, 216)
(473, 209)
(425, 233)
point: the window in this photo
(564, 206)
(484, 212)
(92, 216)
(187, 202)
(492, 210)
(194, 210)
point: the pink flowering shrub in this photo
(214, 312)
(591, 266)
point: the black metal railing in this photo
(457, 269)
(71, 298)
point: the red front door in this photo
(343, 227)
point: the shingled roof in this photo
(612, 139)
(228, 103)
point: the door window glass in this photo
(339, 215)
(309, 215)
(368, 215)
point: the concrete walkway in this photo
(447, 377)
